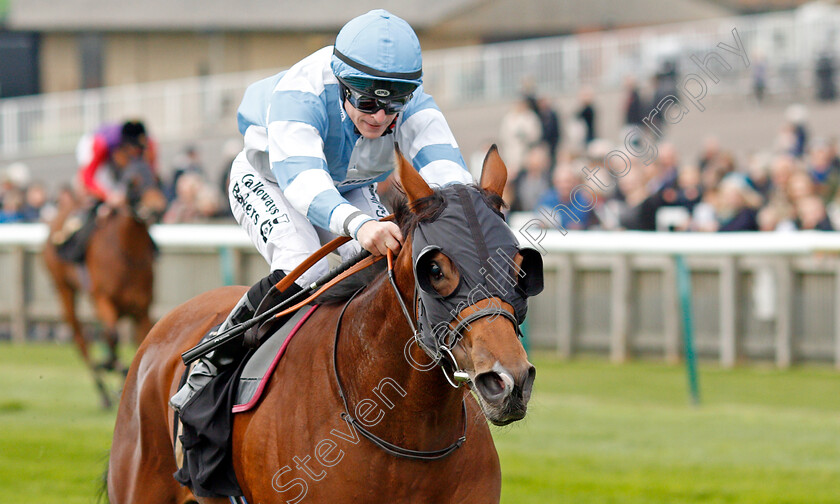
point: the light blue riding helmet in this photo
(378, 46)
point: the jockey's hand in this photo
(377, 237)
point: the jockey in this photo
(318, 139)
(104, 154)
(103, 157)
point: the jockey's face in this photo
(369, 125)
(121, 156)
(124, 154)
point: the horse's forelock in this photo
(429, 208)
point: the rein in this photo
(458, 377)
(378, 441)
(319, 254)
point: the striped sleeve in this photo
(297, 125)
(426, 138)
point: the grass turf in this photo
(595, 433)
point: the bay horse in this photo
(117, 270)
(303, 441)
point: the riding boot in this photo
(208, 366)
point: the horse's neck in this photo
(125, 220)
(125, 231)
(373, 362)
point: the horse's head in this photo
(151, 206)
(144, 197)
(472, 283)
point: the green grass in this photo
(598, 433)
(595, 433)
(53, 436)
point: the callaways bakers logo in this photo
(256, 202)
(268, 225)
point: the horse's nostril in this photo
(491, 385)
(528, 383)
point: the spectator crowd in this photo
(193, 195)
(793, 184)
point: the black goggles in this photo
(369, 104)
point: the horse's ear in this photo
(412, 183)
(493, 172)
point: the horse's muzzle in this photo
(505, 397)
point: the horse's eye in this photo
(435, 272)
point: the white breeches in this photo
(282, 235)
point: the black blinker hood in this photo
(482, 247)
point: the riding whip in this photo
(239, 330)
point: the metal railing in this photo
(756, 296)
(791, 42)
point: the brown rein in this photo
(391, 448)
(397, 451)
(364, 263)
(319, 254)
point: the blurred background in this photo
(716, 238)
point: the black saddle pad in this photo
(207, 418)
(73, 249)
(206, 422)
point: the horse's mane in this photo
(407, 218)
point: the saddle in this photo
(72, 239)
(203, 445)
(261, 363)
(206, 421)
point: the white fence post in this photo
(729, 311)
(620, 300)
(784, 319)
(11, 135)
(565, 302)
(837, 318)
(18, 287)
(671, 312)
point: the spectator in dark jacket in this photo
(736, 206)
(811, 215)
(634, 110)
(586, 113)
(551, 130)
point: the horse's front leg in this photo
(109, 316)
(68, 303)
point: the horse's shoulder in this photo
(220, 295)
(193, 318)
